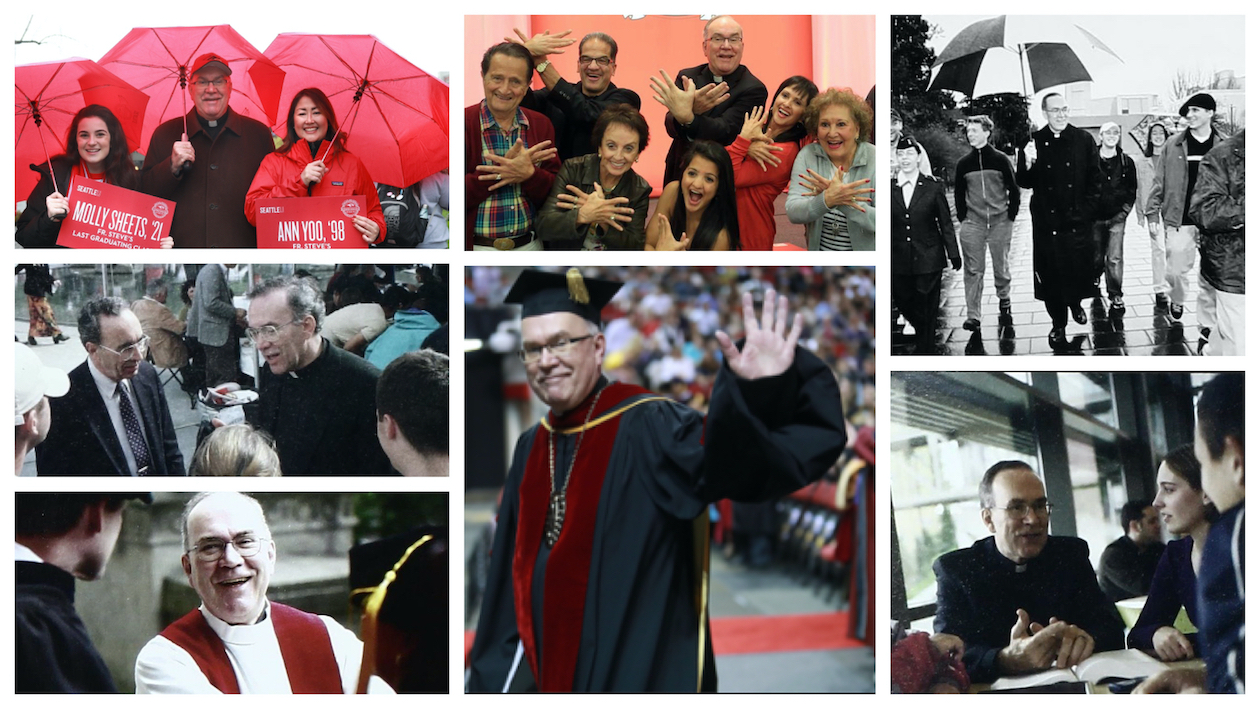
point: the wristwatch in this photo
(541, 66)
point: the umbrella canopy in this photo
(158, 60)
(46, 97)
(991, 56)
(396, 115)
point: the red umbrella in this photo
(158, 59)
(397, 116)
(46, 97)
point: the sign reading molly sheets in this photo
(104, 216)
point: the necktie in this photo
(135, 435)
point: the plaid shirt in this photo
(505, 212)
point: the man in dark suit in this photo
(1021, 600)
(923, 236)
(114, 420)
(708, 102)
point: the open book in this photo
(1099, 668)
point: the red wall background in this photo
(832, 50)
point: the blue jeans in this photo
(1109, 252)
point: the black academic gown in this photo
(52, 647)
(642, 627)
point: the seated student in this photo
(1128, 564)
(1022, 600)
(1218, 444)
(1187, 513)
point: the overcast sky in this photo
(72, 28)
(1153, 48)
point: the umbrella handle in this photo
(183, 138)
(39, 124)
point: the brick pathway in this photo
(1142, 330)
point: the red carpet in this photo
(784, 633)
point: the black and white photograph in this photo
(1068, 185)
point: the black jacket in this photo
(923, 232)
(34, 228)
(721, 123)
(53, 651)
(82, 441)
(978, 591)
(1118, 189)
(573, 113)
(559, 228)
(1124, 571)
(323, 417)
(1218, 207)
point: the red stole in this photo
(569, 564)
(304, 645)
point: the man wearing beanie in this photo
(32, 416)
(1168, 213)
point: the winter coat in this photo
(1218, 208)
(209, 195)
(34, 228)
(1065, 181)
(280, 175)
(1119, 185)
(1168, 190)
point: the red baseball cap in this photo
(208, 60)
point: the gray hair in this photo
(91, 314)
(303, 298)
(197, 500)
(155, 286)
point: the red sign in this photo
(110, 217)
(310, 223)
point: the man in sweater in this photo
(987, 200)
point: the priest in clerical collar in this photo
(595, 583)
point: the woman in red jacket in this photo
(305, 166)
(762, 156)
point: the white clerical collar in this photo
(241, 634)
(21, 552)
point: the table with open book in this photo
(1092, 676)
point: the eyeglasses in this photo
(204, 84)
(1060, 111)
(559, 348)
(212, 549)
(137, 348)
(267, 332)
(602, 61)
(1021, 509)
(733, 41)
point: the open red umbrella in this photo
(158, 60)
(46, 97)
(397, 115)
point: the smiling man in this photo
(208, 169)
(574, 107)
(509, 160)
(316, 400)
(708, 102)
(1021, 600)
(115, 419)
(596, 584)
(239, 642)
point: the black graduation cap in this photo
(542, 292)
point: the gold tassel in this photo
(577, 287)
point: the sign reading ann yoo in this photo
(310, 222)
(110, 217)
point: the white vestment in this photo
(162, 667)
